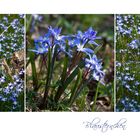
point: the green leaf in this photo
(65, 83)
(65, 68)
(81, 87)
(73, 94)
(73, 75)
(48, 70)
(34, 73)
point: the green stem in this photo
(73, 91)
(34, 73)
(47, 79)
(95, 98)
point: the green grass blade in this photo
(95, 98)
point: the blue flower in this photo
(11, 91)
(80, 48)
(41, 45)
(90, 34)
(11, 36)
(134, 44)
(80, 40)
(55, 32)
(52, 39)
(95, 66)
(138, 30)
(91, 62)
(40, 49)
(2, 79)
(120, 25)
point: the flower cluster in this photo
(11, 91)
(11, 81)
(95, 66)
(129, 105)
(128, 52)
(12, 34)
(121, 27)
(126, 25)
(135, 44)
(79, 43)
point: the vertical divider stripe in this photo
(25, 63)
(114, 62)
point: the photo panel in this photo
(12, 62)
(128, 63)
(70, 63)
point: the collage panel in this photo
(128, 63)
(11, 62)
(70, 63)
